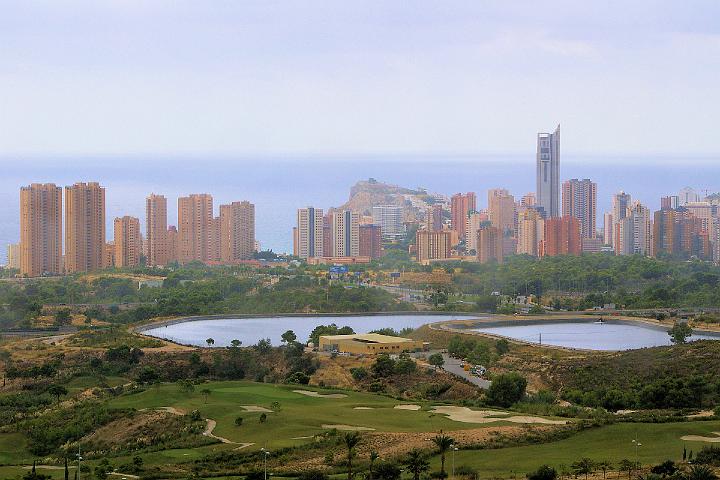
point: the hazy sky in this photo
(355, 77)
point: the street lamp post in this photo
(79, 458)
(454, 449)
(266, 453)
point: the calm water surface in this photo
(610, 335)
(250, 330)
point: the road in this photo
(454, 366)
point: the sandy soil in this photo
(349, 428)
(407, 407)
(255, 408)
(310, 393)
(363, 408)
(172, 410)
(244, 445)
(703, 414)
(211, 424)
(699, 438)
(466, 415)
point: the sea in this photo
(279, 185)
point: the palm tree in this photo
(443, 444)
(584, 466)
(374, 455)
(351, 439)
(604, 465)
(416, 463)
(205, 393)
(210, 342)
(628, 466)
(700, 472)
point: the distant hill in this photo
(366, 194)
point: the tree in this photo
(313, 475)
(275, 407)
(57, 391)
(205, 393)
(137, 463)
(628, 466)
(263, 417)
(604, 466)
(374, 455)
(665, 469)
(436, 360)
(700, 472)
(63, 317)
(506, 389)
(350, 439)
(416, 462)
(584, 466)
(387, 471)
(443, 444)
(680, 332)
(186, 386)
(210, 342)
(288, 337)
(238, 421)
(235, 343)
(67, 472)
(384, 366)
(545, 472)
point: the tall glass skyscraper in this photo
(548, 173)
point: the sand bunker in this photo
(702, 414)
(407, 407)
(464, 414)
(255, 408)
(349, 428)
(310, 393)
(700, 438)
(244, 445)
(363, 408)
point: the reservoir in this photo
(588, 334)
(250, 330)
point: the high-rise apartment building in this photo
(633, 233)
(489, 244)
(370, 241)
(390, 219)
(608, 228)
(346, 234)
(434, 218)
(13, 256)
(501, 210)
(562, 237)
(309, 232)
(548, 172)
(579, 200)
(172, 243)
(84, 227)
(156, 227)
(531, 230)
(40, 230)
(195, 228)
(460, 206)
(688, 195)
(528, 200)
(126, 242)
(433, 245)
(472, 225)
(678, 233)
(237, 231)
(328, 234)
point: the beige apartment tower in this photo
(156, 232)
(40, 230)
(195, 228)
(309, 232)
(127, 242)
(346, 234)
(237, 231)
(84, 227)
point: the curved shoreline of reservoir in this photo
(249, 329)
(566, 332)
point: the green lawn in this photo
(614, 442)
(300, 415)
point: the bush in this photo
(506, 389)
(545, 472)
(313, 475)
(359, 373)
(386, 471)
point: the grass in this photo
(614, 442)
(299, 416)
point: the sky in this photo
(245, 78)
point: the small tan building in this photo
(369, 343)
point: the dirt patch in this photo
(172, 410)
(700, 438)
(310, 393)
(407, 407)
(255, 408)
(348, 428)
(243, 445)
(211, 424)
(703, 414)
(466, 415)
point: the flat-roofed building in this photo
(40, 230)
(369, 343)
(13, 256)
(127, 242)
(84, 227)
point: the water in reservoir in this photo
(250, 330)
(590, 335)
